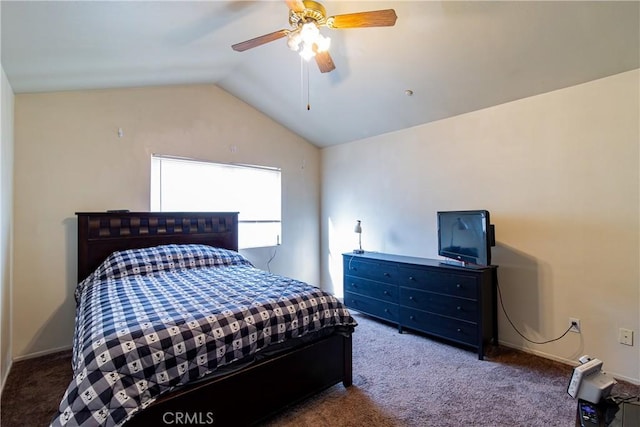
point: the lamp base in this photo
(358, 251)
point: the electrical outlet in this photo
(625, 336)
(575, 325)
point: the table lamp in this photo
(358, 229)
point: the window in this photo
(181, 185)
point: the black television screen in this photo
(465, 236)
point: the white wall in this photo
(69, 158)
(6, 210)
(559, 173)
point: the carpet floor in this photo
(398, 380)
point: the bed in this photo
(174, 326)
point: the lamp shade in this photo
(358, 227)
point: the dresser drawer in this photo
(458, 285)
(445, 327)
(380, 271)
(372, 306)
(372, 289)
(459, 308)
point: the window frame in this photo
(255, 231)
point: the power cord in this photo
(275, 250)
(516, 329)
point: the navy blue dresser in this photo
(454, 303)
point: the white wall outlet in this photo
(625, 336)
(575, 325)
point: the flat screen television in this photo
(466, 236)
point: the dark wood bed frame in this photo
(246, 396)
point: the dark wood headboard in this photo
(101, 233)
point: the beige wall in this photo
(559, 173)
(6, 210)
(69, 158)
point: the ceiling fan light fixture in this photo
(307, 40)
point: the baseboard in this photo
(42, 353)
(569, 362)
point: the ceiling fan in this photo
(306, 17)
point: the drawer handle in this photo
(458, 286)
(459, 330)
(411, 278)
(458, 308)
(353, 285)
(410, 298)
(412, 318)
(386, 292)
(386, 274)
(386, 310)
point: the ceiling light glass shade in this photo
(307, 40)
(309, 32)
(323, 43)
(294, 40)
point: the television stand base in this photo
(454, 262)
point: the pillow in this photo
(158, 258)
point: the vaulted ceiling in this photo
(454, 56)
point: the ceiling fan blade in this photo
(295, 5)
(374, 18)
(258, 41)
(325, 62)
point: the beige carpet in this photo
(398, 380)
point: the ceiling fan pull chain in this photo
(301, 80)
(308, 84)
(303, 66)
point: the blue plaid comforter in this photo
(149, 320)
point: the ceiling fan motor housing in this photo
(312, 11)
